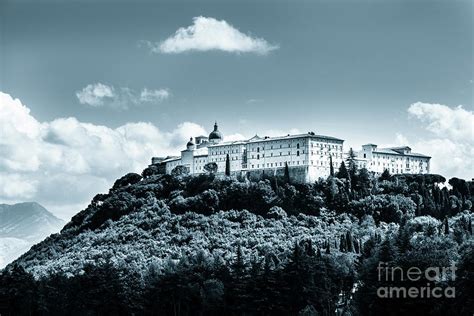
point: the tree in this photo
(363, 184)
(227, 165)
(331, 167)
(179, 171)
(465, 281)
(210, 167)
(126, 180)
(342, 173)
(342, 244)
(349, 242)
(328, 248)
(287, 173)
(446, 226)
(151, 171)
(385, 175)
(351, 160)
(239, 264)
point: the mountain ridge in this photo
(23, 225)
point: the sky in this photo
(90, 90)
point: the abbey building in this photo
(396, 160)
(308, 156)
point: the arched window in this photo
(258, 149)
(298, 145)
(298, 153)
(258, 156)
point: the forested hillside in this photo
(211, 245)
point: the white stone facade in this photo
(309, 152)
(307, 155)
(396, 160)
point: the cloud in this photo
(451, 142)
(95, 94)
(99, 94)
(456, 123)
(63, 163)
(154, 95)
(207, 34)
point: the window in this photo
(258, 156)
(365, 155)
(258, 149)
(298, 153)
(298, 145)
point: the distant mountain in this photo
(21, 226)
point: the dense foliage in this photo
(185, 245)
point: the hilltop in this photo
(165, 242)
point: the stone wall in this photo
(298, 174)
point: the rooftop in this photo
(391, 151)
(257, 138)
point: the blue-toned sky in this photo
(385, 72)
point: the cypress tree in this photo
(387, 251)
(309, 248)
(331, 167)
(296, 254)
(239, 265)
(328, 248)
(227, 165)
(342, 244)
(287, 173)
(342, 173)
(446, 226)
(349, 242)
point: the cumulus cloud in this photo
(456, 123)
(63, 163)
(95, 94)
(451, 139)
(99, 94)
(207, 34)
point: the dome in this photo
(215, 135)
(190, 144)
